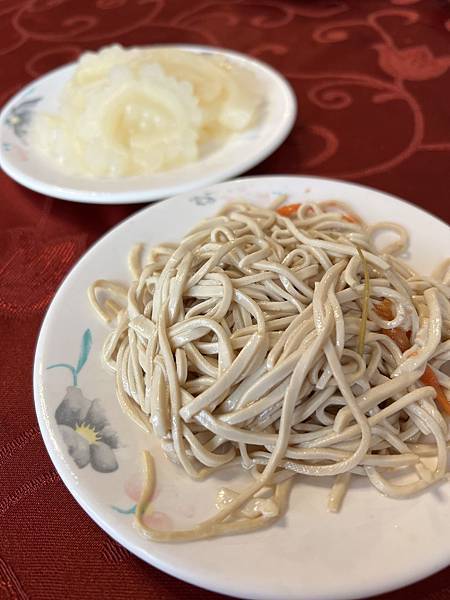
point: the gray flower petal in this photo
(77, 446)
(96, 416)
(73, 409)
(102, 458)
(110, 437)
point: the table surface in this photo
(373, 82)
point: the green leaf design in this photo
(65, 366)
(86, 343)
(125, 511)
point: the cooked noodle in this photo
(288, 345)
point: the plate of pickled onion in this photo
(124, 125)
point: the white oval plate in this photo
(276, 116)
(375, 544)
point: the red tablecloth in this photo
(372, 79)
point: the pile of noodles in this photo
(283, 340)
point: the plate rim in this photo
(72, 194)
(183, 573)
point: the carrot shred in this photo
(429, 378)
(399, 336)
(351, 219)
(384, 309)
(403, 340)
(288, 210)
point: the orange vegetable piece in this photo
(399, 336)
(288, 210)
(403, 341)
(384, 309)
(429, 378)
(351, 219)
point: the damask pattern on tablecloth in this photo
(58, 30)
(10, 586)
(31, 268)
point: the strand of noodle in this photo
(375, 396)
(396, 247)
(338, 491)
(338, 249)
(337, 455)
(211, 527)
(174, 396)
(352, 430)
(109, 286)
(134, 260)
(434, 336)
(127, 405)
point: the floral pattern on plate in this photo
(83, 423)
(152, 518)
(19, 117)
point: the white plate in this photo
(375, 544)
(276, 116)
